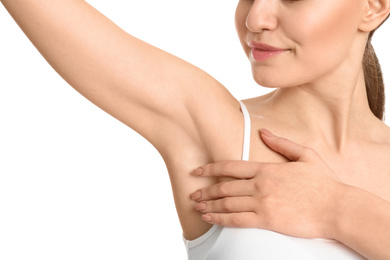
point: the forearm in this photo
(73, 37)
(363, 223)
(128, 78)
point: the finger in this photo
(235, 169)
(285, 147)
(227, 205)
(238, 220)
(234, 188)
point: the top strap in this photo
(247, 133)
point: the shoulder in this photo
(379, 134)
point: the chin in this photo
(278, 77)
(271, 81)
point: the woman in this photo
(192, 127)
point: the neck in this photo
(331, 111)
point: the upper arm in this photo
(144, 87)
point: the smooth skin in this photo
(301, 198)
(136, 83)
(171, 103)
(327, 111)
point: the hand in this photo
(297, 198)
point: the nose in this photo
(262, 16)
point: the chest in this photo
(370, 173)
(363, 166)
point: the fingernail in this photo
(267, 133)
(197, 172)
(196, 196)
(201, 206)
(207, 218)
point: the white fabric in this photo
(221, 243)
(247, 133)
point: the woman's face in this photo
(310, 39)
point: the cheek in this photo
(326, 34)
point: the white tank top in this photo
(222, 243)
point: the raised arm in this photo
(185, 113)
(146, 88)
(141, 85)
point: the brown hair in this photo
(375, 86)
(374, 80)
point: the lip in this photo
(263, 52)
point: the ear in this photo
(376, 12)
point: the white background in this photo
(74, 182)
